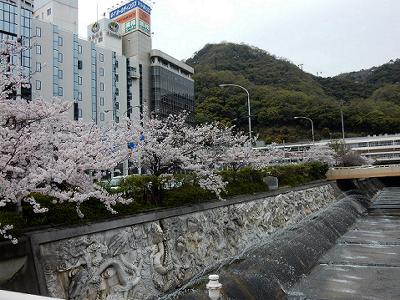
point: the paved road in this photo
(365, 262)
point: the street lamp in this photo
(312, 126)
(341, 117)
(248, 105)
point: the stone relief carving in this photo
(146, 260)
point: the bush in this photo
(297, 174)
(177, 190)
(244, 181)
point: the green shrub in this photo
(297, 174)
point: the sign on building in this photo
(131, 16)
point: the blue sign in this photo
(129, 6)
(131, 145)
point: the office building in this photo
(111, 75)
(172, 87)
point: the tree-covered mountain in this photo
(280, 91)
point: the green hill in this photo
(280, 91)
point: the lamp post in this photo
(312, 126)
(248, 105)
(342, 119)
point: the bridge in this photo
(362, 172)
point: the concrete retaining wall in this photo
(147, 255)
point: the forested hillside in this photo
(280, 91)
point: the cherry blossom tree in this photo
(171, 145)
(43, 151)
(320, 153)
(242, 155)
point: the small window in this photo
(80, 80)
(38, 31)
(101, 101)
(116, 105)
(79, 96)
(80, 112)
(60, 57)
(101, 71)
(117, 91)
(49, 11)
(116, 63)
(60, 74)
(38, 85)
(116, 78)
(60, 91)
(79, 49)
(101, 116)
(101, 86)
(80, 65)
(38, 49)
(101, 57)
(60, 41)
(38, 67)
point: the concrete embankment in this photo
(147, 255)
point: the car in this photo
(115, 182)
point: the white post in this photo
(214, 287)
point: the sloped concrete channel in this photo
(269, 271)
(365, 262)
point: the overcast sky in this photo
(328, 36)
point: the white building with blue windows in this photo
(107, 76)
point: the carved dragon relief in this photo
(146, 260)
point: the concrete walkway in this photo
(365, 262)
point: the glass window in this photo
(79, 49)
(60, 91)
(101, 101)
(80, 65)
(101, 116)
(49, 11)
(38, 49)
(38, 67)
(80, 80)
(38, 85)
(60, 57)
(60, 41)
(101, 72)
(60, 74)
(80, 112)
(101, 57)
(101, 86)
(38, 31)
(80, 96)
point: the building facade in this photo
(172, 86)
(63, 13)
(111, 75)
(16, 25)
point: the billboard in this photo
(128, 7)
(134, 15)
